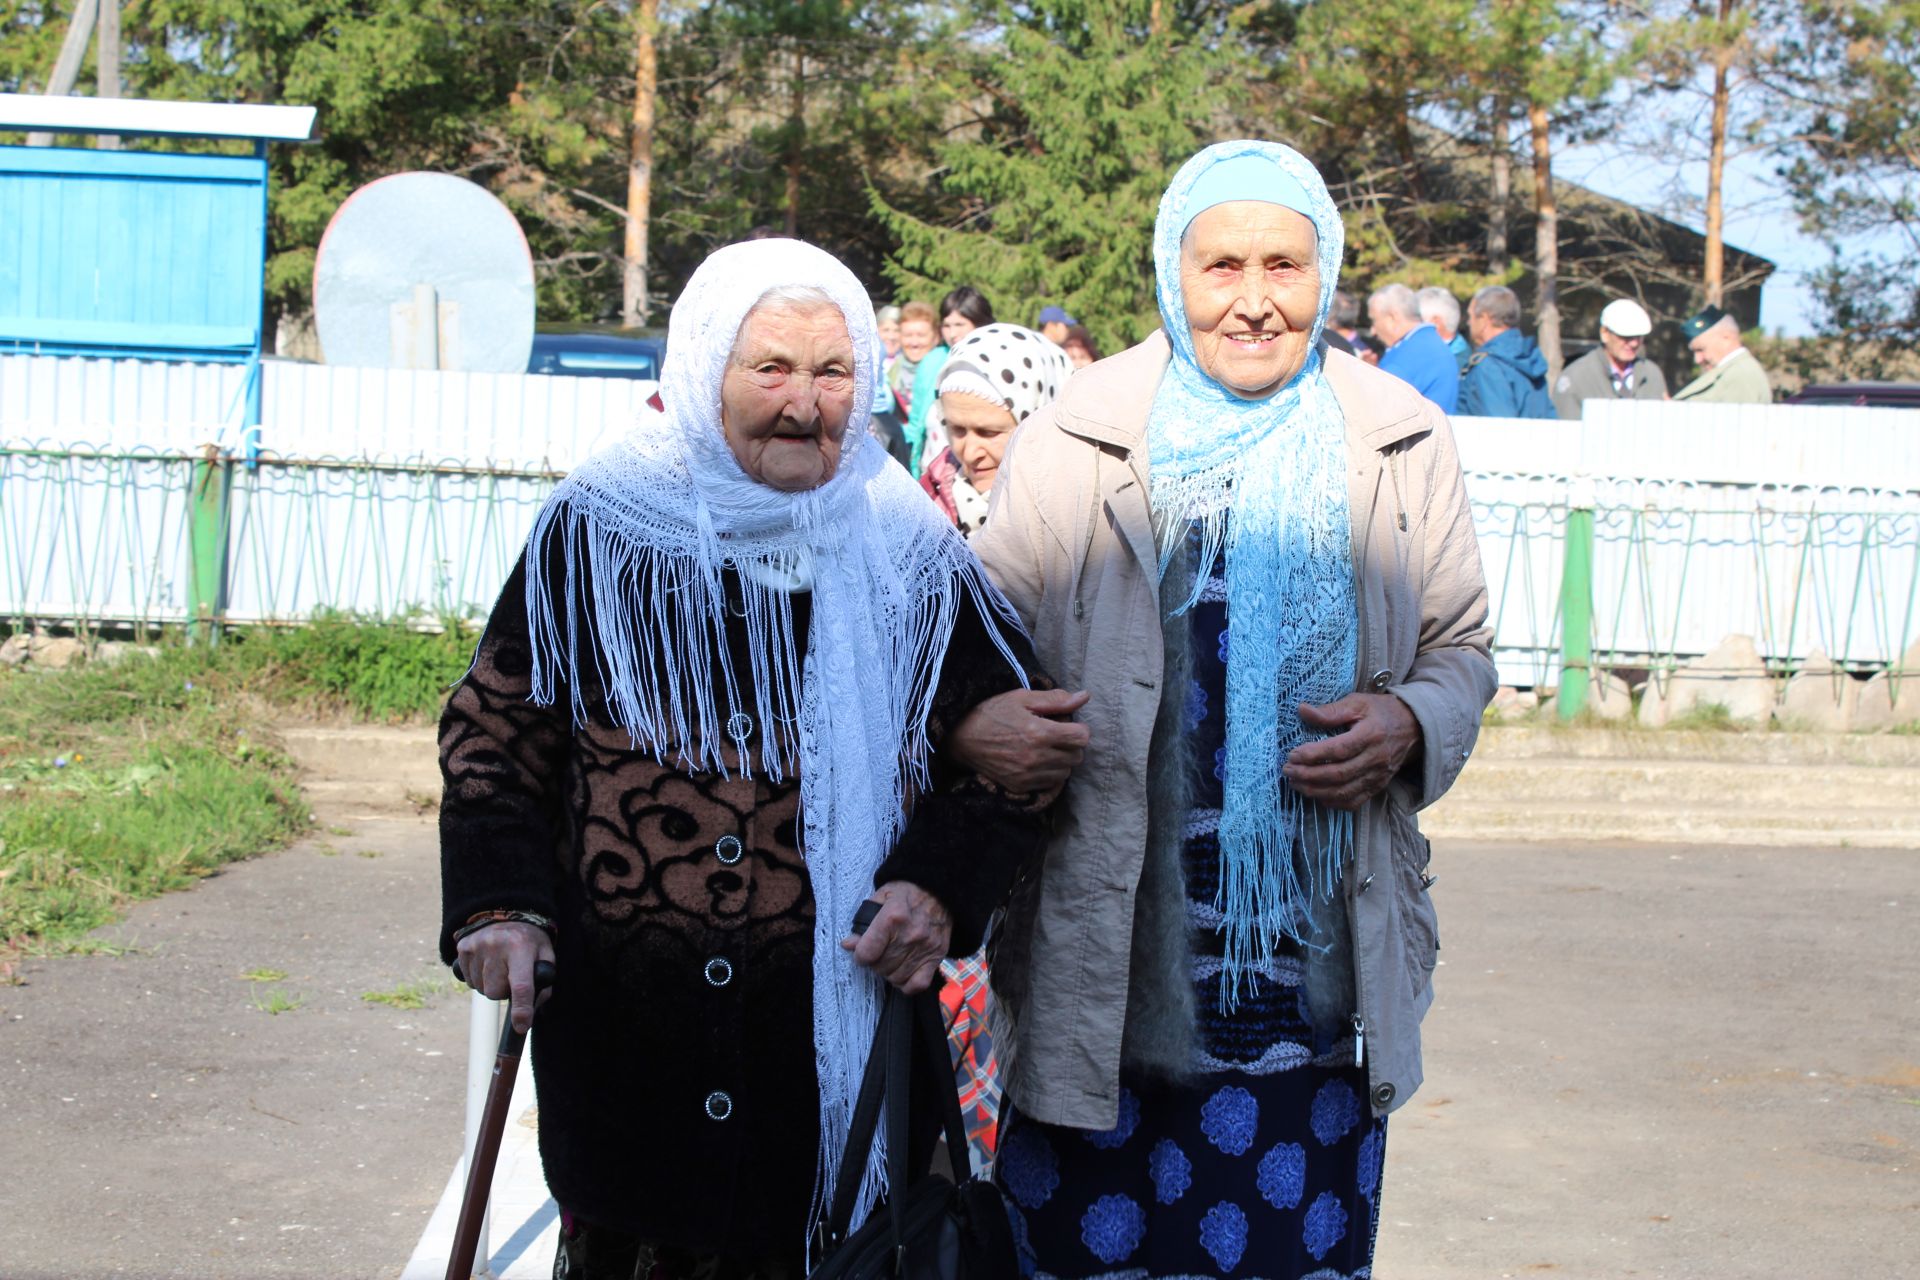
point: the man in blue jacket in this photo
(1507, 376)
(1415, 352)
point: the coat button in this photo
(1366, 884)
(1383, 1096)
(719, 971)
(727, 849)
(720, 1105)
(1382, 681)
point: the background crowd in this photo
(1488, 366)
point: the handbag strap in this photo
(866, 1120)
(933, 1038)
(899, 1096)
(885, 1095)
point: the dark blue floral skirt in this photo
(1255, 1177)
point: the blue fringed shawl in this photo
(1266, 482)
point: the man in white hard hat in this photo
(1614, 370)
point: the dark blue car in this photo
(597, 355)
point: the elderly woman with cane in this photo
(1257, 557)
(706, 721)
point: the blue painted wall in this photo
(131, 253)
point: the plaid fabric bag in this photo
(963, 1006)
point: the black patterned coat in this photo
(674, 1060)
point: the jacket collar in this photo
(1108, 402)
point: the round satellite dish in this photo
(424, 271)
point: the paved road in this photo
(1660, 1061)
(156, 1123)
(1693, 1062)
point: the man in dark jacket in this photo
(1507, 376)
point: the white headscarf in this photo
(654, 520)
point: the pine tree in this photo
(1853, 167)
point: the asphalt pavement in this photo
(1665, 1061)
(1642, 1061)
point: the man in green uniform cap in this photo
(1729, 372)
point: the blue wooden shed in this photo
(148, 254)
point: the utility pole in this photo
(73, 51)
(107, 64)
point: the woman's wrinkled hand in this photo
(1022, 740)
(1372, 734)
(906, 942)
(498, 963)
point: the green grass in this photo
(1911, 729)
(75, 848)
(121, 782)
(1708, 717)
(412, 995)
(264, 975)
(373, 671)
(274, 1000)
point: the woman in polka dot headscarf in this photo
(997, 377)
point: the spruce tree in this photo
(1085, 112)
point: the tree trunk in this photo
(1715, 272)
(1546, 253)
(66, 67)
(633, 284)
(107, 82)
(796, 141)
(1409, 156)
(1155, 19)
(1502, 158)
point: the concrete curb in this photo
(1528, 742)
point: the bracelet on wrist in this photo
(481, 919)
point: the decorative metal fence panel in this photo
(413, 541)
(94, 537)
(389, 493)
(1677, 567)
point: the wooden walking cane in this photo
(486, 1146)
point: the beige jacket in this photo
(1071, 543)
(1739, 378)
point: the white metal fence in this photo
(1799, 527)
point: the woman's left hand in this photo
(1372, 736)
(908, 939)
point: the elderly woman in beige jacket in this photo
(1257, 559)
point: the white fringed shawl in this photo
(645, 529)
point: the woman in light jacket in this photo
(1257, 558)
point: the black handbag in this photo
(933, 1228)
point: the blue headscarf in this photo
(1264, 483)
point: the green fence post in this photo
(1576, 602)
(212, 478)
